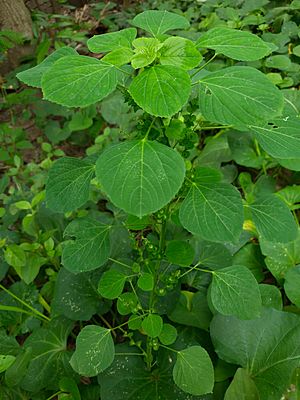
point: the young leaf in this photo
(235, 291)
(267, 347)
(292, 284)
(161, 90)
(159, 22)
(126, 303)
(242, 387)
(5, 362)
(94, 352)
(111, 284)
(180, 253)
(239, 45)
(273, 219)
(91, 247)
(152, 325)
(180, 52)
(33, 76)
(140, 176)
(79, 81)
(239, 96)
(119, 57)
(146, 282)
(145, 51)
(112, 41)
(281, 139)
(68, 184)
(213, 211)
(168, 334)
(193, 371)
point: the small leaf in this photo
(168, 334)
(140, 176)
(180, 253)
(145, 51)
(112, 41)
(126, 303)
(111, 284)
(15, 256)
(235, 291)
(159, 22)
(119, 57)
(292, 284)
(239, 96)
(5, 362)
(33, 76)
(161, 90)
(180, 52)
(273, 219)
(193, 371)
(146, 282)
(270, 296)
(152, 325)
(91, 247)
(94, 352)
(68, 184)
(239, 45)
(79, 81)
(281, 139)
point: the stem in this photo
(120, 263)
(55, 394)
(24, 303)
(204, 65)
(149, 129)
(108, 325)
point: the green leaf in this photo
(281, 138)
(68, 184)
(268, 348)
(49, 357)
(161, 90)
(16, 372)
(291, 285)
(193, 371)
(90, 248)
(75, 295)
(250, 256)
(180, 52)
(273, 219)
(278, 61)
(152, 325)
(242, 387)
(112, 41)
(15, 256)
(180, 253)
(94, 352)
(213, 211)
(119, 57)
(235, 291)
(140, 176)
(33, 76)
(168, 334)
(159, 22)
(145, 51)
(126, 303)
(239, 45)
(146, 282)
(79, 81)
(69, 386)
(5, 362)
(111, 284)
(239, 96)
(270, 296)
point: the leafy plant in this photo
(161, 245)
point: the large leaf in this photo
(128, 379)
(75, 295)
(112, 41)
(68, 184)
(140, 176)
(242, 387)
(281, 139)
(79, 81)
(267, 347)
(239, 45)
(161, 90)
(235, 291)
(214, 211)
(50, 358)
(33, 76)
(180, 52)
(273, 219)
(95, 351)
(239, 96)
(91, 247)
(193, 371)
(158, 22)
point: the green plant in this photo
(162, 244)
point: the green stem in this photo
(24, 303)
(204, 65)
(55, 394)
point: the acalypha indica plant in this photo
(188, 307)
